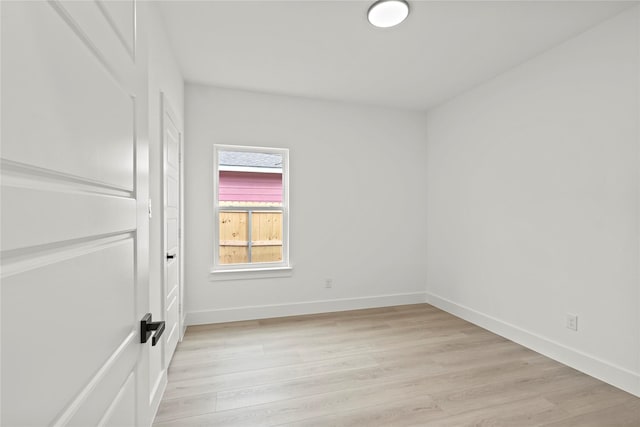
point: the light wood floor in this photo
(407, 365)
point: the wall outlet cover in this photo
(572, 322)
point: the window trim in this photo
(250, 268)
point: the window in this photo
(251, 208)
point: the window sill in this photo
(251, 273)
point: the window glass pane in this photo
(249, 182)
(266, 236)
(234, 235)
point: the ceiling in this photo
(328, 50)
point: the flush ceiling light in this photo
(388, 13)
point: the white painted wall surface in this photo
(357, 203)
(164, 76)
(533, 199)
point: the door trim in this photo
(167, 109)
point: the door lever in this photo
(150, 329)
(171, 256)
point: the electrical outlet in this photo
(572, 322)
(328, 283)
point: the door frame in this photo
(167, 109)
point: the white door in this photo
(171, 148)
(74, 214)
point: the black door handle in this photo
(171, 256)
(150, 329)
(158, 333)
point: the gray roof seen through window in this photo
(250, 159)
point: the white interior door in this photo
(74, 222)
(171, 146)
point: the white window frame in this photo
(270, 269)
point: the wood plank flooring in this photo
(411, 365)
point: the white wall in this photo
(532, 195)
(164, 76)
(357, 203)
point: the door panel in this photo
(172, 274)
(172, 191)
(70, 114)
(103, 393)
(122, 411)
(96, 322)
(38, 216)
(74, 249)
(173, 148)
(172, 321)
(121, 15)
(172, 237)
(95, 22)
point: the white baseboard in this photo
(299, 308)
(615, 375)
